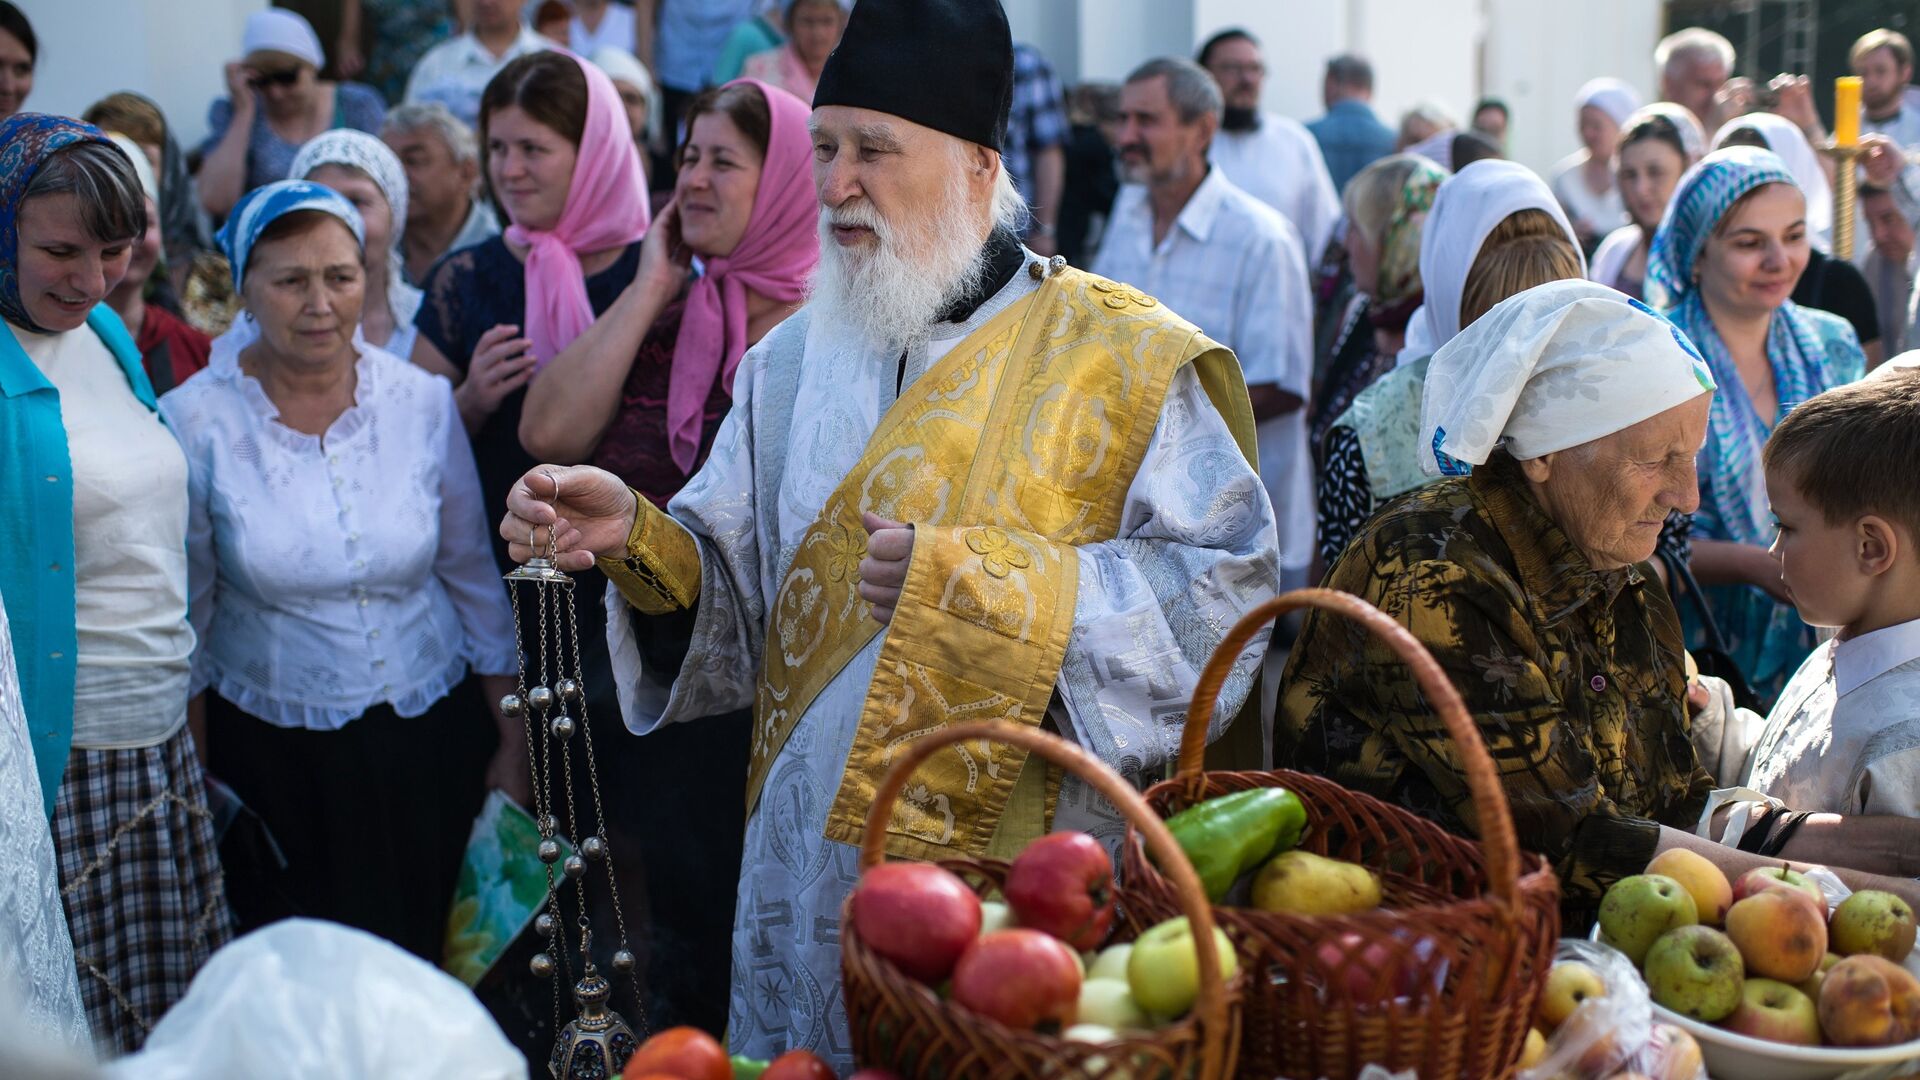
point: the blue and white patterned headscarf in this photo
(1704, 195)
(1808, 351)
(27, 140)
(269, 203)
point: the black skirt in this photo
(372, 819)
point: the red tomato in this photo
(797, 1065)
(683, 1052)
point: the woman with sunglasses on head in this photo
(275, 102)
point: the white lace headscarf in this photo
(1550, 368)
(345, 146)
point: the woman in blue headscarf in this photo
(343, 587)
(1726, 258)
(93, 514)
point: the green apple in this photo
(1871, 921)
(1110, 1002)
(1164, 970)
(1696, 971)
(1638, 909)
(1111, 963)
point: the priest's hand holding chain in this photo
(590, 511)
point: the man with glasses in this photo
(1270, 157)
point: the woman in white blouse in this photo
(342, 587)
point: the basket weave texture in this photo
(900, 1024)
(1443, 977)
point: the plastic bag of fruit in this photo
(1595, 1021)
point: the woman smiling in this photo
(1729, 253)
(93, 554)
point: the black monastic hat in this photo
(943, 64)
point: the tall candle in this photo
(1846, 110)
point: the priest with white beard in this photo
(962, 482)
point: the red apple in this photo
(797, 1065)
(1777, 877)
(917, 915)
(1062, 884)
(685, 1052)
(1023, 978)
(1376, 973)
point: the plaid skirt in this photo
(140, 879)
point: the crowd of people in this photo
(770, 319)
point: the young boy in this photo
(1843, 475)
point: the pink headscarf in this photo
(606, 208)
(774, 257)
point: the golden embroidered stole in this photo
(1018, 446)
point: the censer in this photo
(597, 1042)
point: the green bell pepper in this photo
(1230, 835)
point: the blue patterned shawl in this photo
(1809, 352)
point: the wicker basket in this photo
(1474, 923)
(898, 1023)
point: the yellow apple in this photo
(1569, 983)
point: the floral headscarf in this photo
(1399, 291)
(27, 140)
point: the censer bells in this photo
(596, 1043)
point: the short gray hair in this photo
(112, 201)
(435, 117)
(1693, 43)
(1192, 91)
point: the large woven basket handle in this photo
(1497, 838)
(1210, 1010)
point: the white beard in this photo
(891, 294)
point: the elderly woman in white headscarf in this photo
(1494, 230)
(1579, 412)
(362, 168)
(1583, 180)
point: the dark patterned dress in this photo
(1575, 675)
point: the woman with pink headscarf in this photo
(642, 391)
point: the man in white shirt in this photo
(600, 23)
(1225, 261)
(456, 71)
(1271, 157)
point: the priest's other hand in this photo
(884, 570)
(590, 511)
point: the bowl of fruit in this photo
(1776, 976)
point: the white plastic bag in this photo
(310, 1000)
(1615, 1034)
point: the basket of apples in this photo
(1777, 976)
(941, 981)
(1380, 938)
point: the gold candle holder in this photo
(1845, 189)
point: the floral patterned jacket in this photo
(1576, 677)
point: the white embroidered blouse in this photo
(329, 574)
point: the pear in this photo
(1308, 884)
